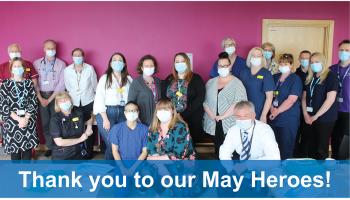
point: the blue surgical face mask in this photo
(78, 60)
(17, 71)
(284, 69)
(180, 67)
(304, 63)
(344, 56)
(50, 53)
(268, 54)
(66, 106)
(316, 67)
(244, 124)
(117, 65)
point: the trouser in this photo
(219, 137)
(315, 139)
(46, 113)
(285, 137)
(115, 115)
(22, 155)
(341, 128)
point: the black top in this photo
(301, 74)
(320, 95)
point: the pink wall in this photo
(158, 28)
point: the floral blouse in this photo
(177, 143)
(177, 92)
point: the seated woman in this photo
(67, 130)
(169, 137)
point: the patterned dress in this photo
(177, 143)
(16, 96)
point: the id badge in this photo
(309, 109)
(275, 103)
(340, 99)
(21, 112)
(45, 83)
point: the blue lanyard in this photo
(312, 88)
(20, 99)
(341, 80)
(250, 141)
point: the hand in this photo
(218, 118)
(313, 118)
(212, 117)
(88, 131)
(43, 102)
(83, 137)
(106, 124)
(263, 119)
(307, 118)
(274, 113)
(22, 122)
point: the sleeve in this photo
(99, 103)
(60, 86)
(55, 128)
(151, 143)
(207, 85)
(269, 83)
(66, 79)
(229, 146)
(4, 103)
(33, 73)
(113, 135)
(214, 70)
(241, 93)
(183, 147)
(32, 107)
(297, 87)
(133, 91)
(271, 150)
(144, 139)
(332, 83)
(197, 102)
(165, 84)
(93, 79)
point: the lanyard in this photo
(153, 88)
(250, 142)
(120, 90)
(341, 80)
(312, 88)
(79, 77)
(49, 70)
(20, 99)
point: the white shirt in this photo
(81, 86)
(263, 144)
(111, 96)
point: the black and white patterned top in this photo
(16, 96)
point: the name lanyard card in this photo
(20, 111)
(275, 102)
(341, 82)
(309, 108)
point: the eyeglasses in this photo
(132, 110)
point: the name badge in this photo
(27, 69)
(75, 119)
(275, 93)
(45, 82)
(275, 103)
(260, 77)
(309, 109)
(21, 112)
(179, 94)
(340, 99)
(120, 90)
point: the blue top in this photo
(237, 67)
(130, 142)
(343, 76)
(291, 86)
(256, 86)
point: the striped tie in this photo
(245, 147)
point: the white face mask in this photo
(284, 69)
(14, 55)
(131, 116)
(50, 53)
(164, 116)
(255, 61)
(223, 72)
(230, 50)
(244, 124)
(148, 71)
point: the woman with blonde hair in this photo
(67, 129)
(258, 83)
(169, 137)
(269, 54)
(319, 108)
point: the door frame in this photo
(328, 25)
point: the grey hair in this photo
(245, 104)
(227, 39)
(13, 45)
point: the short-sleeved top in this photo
(302, 75)
(256, 86)
(30, 72)
(343, 75)
(291, 86)
(67, 127)
(130, 142)
(320, 95)
(237, 67)
(177, 143)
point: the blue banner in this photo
(178, 179)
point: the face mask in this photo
(50, 53)
(148, 71)
(18, 71)
(180, 67)
(230, 50)
(284, 69)
(223, 72)
(244, 124)
(255, 61)
(78, 60)
(117, 65)
(164, 115)
(268, 54)
(66, 106)
(304, 63)
(316, 67)
(344, 56)
(131, 116)
(14, 55)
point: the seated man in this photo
(250, 138)
(129, 138)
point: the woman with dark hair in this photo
(187, 92)
(146, 89)
(111, 96)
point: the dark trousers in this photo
(341, 128)
(219, 137)
(315, 140)
(285, 137)
(46, 114)
(22, 155)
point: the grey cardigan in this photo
(232, 93)
(140, 93)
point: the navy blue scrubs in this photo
(237, 67)
(256, 86)
(286, 124)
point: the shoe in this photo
(48, 153)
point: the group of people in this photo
(254, 108)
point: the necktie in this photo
(245, 147)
